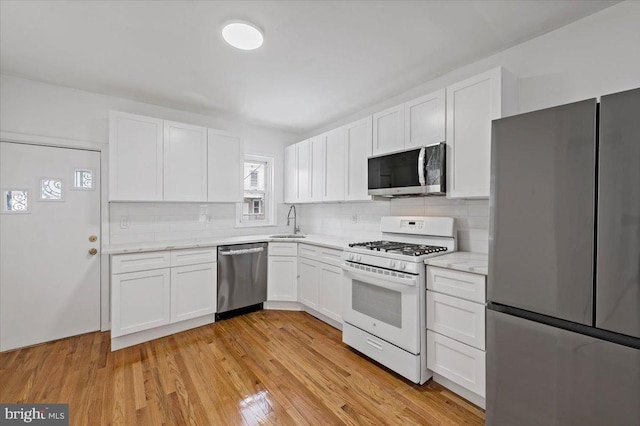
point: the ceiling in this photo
(321, 60)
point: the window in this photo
(257, 209)
(83, 179)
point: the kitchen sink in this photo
(288, 236)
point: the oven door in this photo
(384, 305)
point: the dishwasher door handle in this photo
(241, 251)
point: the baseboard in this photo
(127, 340)
(283, 306)
(472, 397)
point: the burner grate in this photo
(406, 249)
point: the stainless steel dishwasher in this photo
(242, 278)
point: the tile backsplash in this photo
(362, 220)
(144, 222)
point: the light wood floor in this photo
(268, 367)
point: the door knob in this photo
(93, 252)
(93, 238)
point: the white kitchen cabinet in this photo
(424, 119)
(330, 291)
(320, 280)
(291, 174)
(140, 301)
(308, 282)
(225, 167)
(317, 147)
(460, 363)
(388, 130)
(471, 105)
(334, 165)
(456, 328)
(282, 272)
(185, 162)
(193, 291)
(304, 171)
(136, 159)
(358, 138)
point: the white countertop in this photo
(319, 240)
(465, 261)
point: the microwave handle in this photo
(423, 182)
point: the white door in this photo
(304, 171)
(358, 137)
(425, 120)
(291, 174)
(330, 291)
(193, 291)
(388, 130)
(49, 280)
(334, 165)
(308, 282)
(225, 168)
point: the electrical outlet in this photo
(124, 222)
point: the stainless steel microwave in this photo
(419, 171)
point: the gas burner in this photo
(405, 249)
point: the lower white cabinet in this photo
(154, 289)
(193, 291)
(140, 301)
(456, 327)
(282, 272)
(460, 363)
(330, 291)
(308, 282)
(320, 280)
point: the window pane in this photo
(15, 200)
(253, 208)
(83, 179)
(254, 175)
(50, 189)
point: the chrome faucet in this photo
(296, 229)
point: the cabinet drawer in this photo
(455, 283)
(457, 362)
(122, 263)
(283, 249)
(456, 318)
(308, 251)
(193, 256)
(330, 256)
(384, 352)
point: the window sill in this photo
(254, 225)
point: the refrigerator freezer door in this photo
(541, 375)
(542, 211)
(618, 251)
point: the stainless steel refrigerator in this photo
(563, 319)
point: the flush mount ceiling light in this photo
(242, 35)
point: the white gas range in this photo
(385, 291)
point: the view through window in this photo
(256, 209)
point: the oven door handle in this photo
(385, 281)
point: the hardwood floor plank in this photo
(267, 367)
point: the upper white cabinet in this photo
(334, 165)
(471, 105)
(424, 120)
(291, 174)
(158, 160)
(316, 188)
(135, 157)
(225, 156)
(185, 162)
(358, 138)
(304, 171)
(388, 130)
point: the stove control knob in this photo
(392, 264)
(402, 265)
(351, 256)
(358, 258)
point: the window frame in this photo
(269, 199)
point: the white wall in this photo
(597, 55)
(34, 108)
